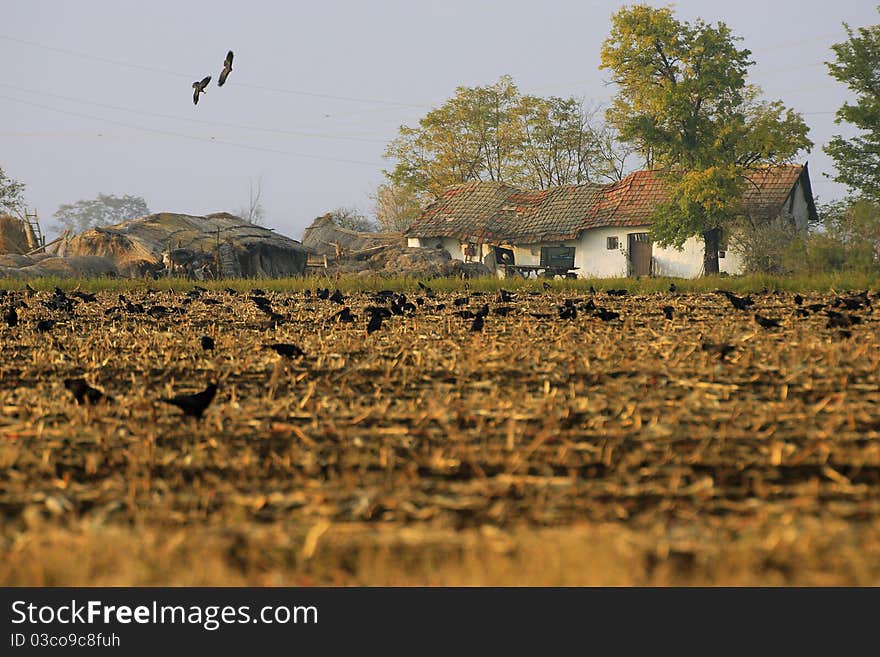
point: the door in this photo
(639, 254)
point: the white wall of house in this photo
(593, 258)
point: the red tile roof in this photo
(498, 212)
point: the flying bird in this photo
(193, 405)
(227, 69)
(199, 87)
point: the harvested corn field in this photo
(545, 437)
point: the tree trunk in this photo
(711, 240)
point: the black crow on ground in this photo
(668, 311)
(720, 348)
(767, 322)
(84, 393)
(344, 316)
(285, 349)
(375, 323)
(193, 405)
(10, 317)
(606, 315)
(207, 343)
(45, 325)
(477, 324)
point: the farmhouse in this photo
(592, 230)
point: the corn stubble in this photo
(550, 447)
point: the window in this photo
(611, 243)
(557, 256)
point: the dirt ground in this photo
(538, 451)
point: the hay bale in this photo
(13, 238)
(136, 247)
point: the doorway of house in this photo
(639, 249)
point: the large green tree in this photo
(496, 133)
(684, 103)
(857, 65)
(104, 210)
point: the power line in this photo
(192, 120)
(153, 69)
(180, 135)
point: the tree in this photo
(857, 64)
(684, 104)
(254, 212)
(496, 133)
(11, 195)
(353, 219)
(397, 206)
(104, 210)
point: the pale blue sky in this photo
(95, 95)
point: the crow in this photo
(503, 311)
(720, 348)
(207, 343)
(323, 294)
(841, 320)
(461, 301)
(337, 297)
(740, 303)
(375, 323)
(465, 314)
(618, 293)
(668, 311)
(84, 393)
(378, 310)
(505, 297)
(568, 312)
(672, 287)
(588, 306)
(606, 315)
(344, 316)
(285, 349)
(798, 300)
(477, 324)
(816, 307)
(11, 317)
(257, 292)
(193, 405)
(85, 296)
(199, 87)
(45, 325)
(767, 322)
(227, 69)
(546, 285)
(428, 291)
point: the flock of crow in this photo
(473, 306)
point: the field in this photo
(539, 450)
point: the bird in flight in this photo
(227, 69)
(199, 87)
(193, 405)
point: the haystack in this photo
(13, 238)
(227, 244)
(325, 237)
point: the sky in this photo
(96, 95)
